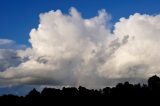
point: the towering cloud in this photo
(71, 50)
(141, 54)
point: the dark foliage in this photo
(122, 91)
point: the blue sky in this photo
(18, 17)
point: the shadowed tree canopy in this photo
(121, 90)
(154, 82)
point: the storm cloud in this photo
(8, 54)
(67, 49)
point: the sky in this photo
(18, 17)
(96, 43)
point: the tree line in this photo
(125, 90)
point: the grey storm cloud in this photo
(67, 49)
(8, 54)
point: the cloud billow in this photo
(71, 50)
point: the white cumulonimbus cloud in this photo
(71, 50)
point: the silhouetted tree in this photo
(70, 92)
(154, 82)
(34, 93)
(121, 90)
(106, 91)
(50, 92)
